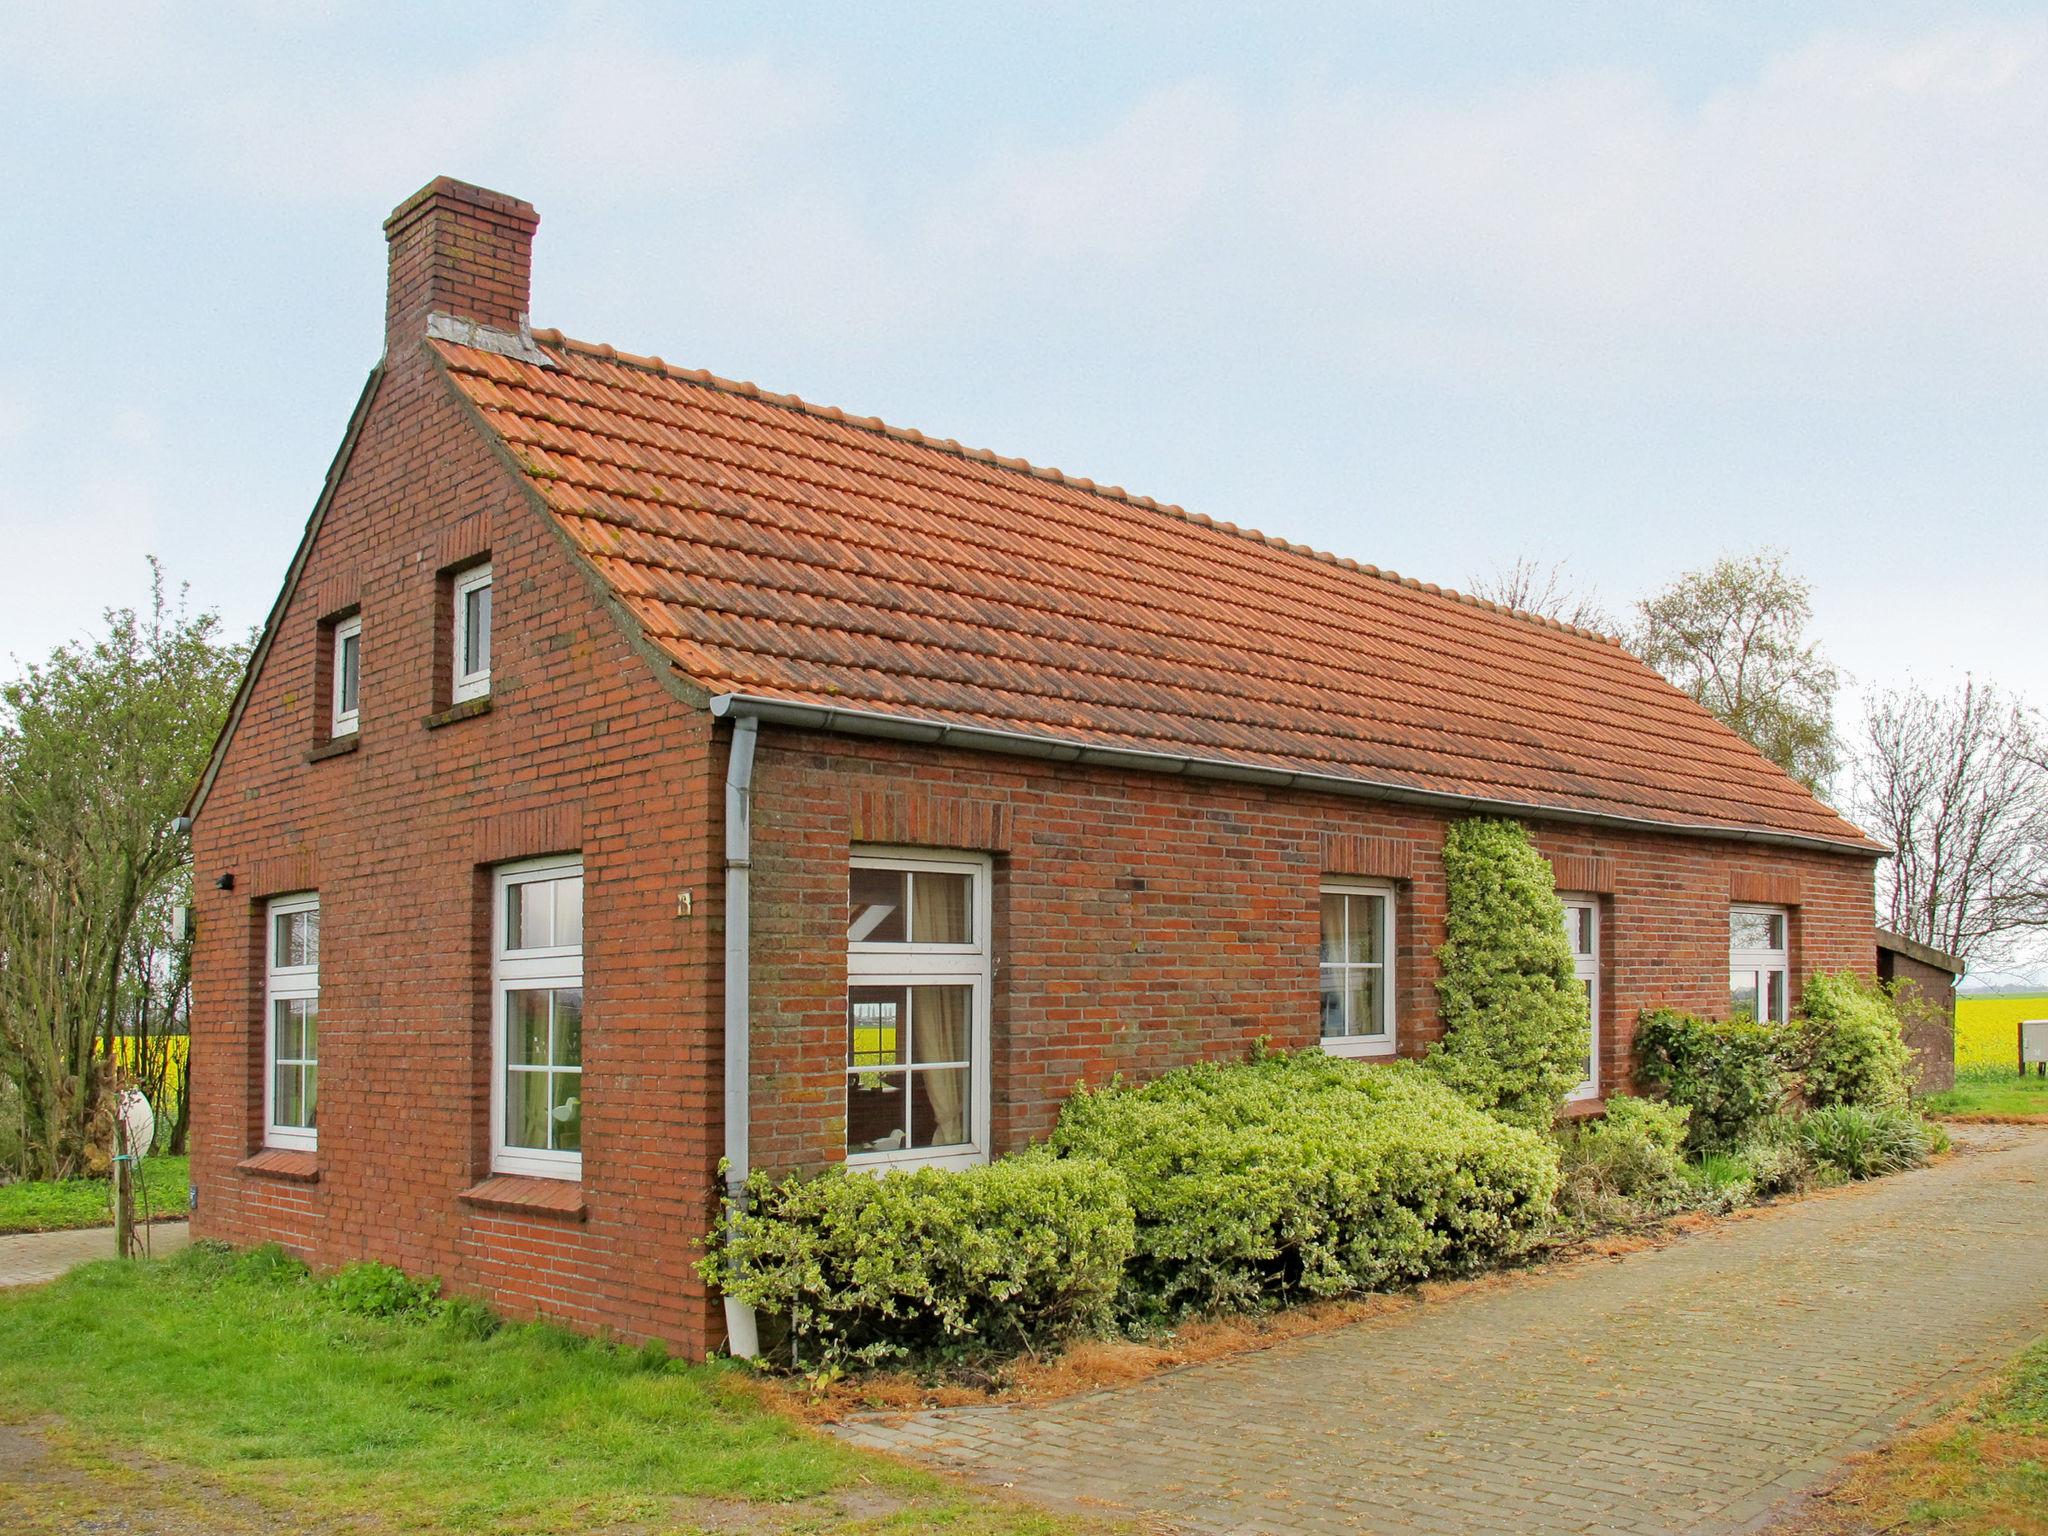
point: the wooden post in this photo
(124, 1201)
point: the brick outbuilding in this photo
(640, 769)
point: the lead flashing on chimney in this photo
(488, 338)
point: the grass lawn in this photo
(1991, 1091)
(1983, 1471)
(244, 1374)
(53, 1205)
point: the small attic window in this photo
(472, 647)
(347, 666)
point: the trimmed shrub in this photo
(1846, 1044)
(1727, 1073)
(1516, 1029)
(1862, 1143)
(1623, 1167)
(867, 1270)
(1660, 1125)
(1305, 1176)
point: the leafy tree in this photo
(99, 746)
(1516, 1030)
(1957, 783)
(1734, 637)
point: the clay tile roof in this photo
(786, 551)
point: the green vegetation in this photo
(53, 1205)
(1852, 1141)
(1623, 1167)
(100, 743)
(1991, 1091)
(1846, 1045)
(1292, 1177)
(865, 1271)
(247, 1373)
(1515, 1023)
(1726, 1072)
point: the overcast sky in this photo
(1624, 285)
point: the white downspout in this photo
(742, 1338)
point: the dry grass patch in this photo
(1980, 1471)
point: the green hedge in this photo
(1515, 1022)
(1726, 1072)
(1304, 1176)
(1847, 1046)
(865, 1270)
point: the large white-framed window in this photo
(1358, 968)
(537, 1018)
(347, 664)
(291, 1020)
(472, 647)
(918, 973)
(1759, 961)
(1582, 932)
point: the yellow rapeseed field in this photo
(1987, 1028)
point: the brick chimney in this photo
(463, 253)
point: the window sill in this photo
(561, 1199)
(1584, 1109)
(463, 711)
(282, 1163)
(340, 746)
(889, 1162)
(1356, 1049)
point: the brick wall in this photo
(1927, 1006)
(1143, 921)
(582, 749)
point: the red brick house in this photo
(639, 768)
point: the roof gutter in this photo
(742, 1336)
(859, 722)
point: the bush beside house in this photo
(862, 1270)
(1516, 1028)
(1239, 1187)
(1293, 1177)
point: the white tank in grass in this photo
(138, 1121)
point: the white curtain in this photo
(940, 1033)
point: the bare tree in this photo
(1734, 637)
(1957, 783)
(1547, 590)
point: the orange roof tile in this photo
(792, 552)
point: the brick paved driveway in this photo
(1691, 1389)
(30, 1258)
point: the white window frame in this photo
(1587, 969)
(911, 965)
(344, 722)
(287, 983)
(477, 684)
(1764, 961)
(1383, 1044)
(559, 965)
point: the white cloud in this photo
(572, 117)
(64, 569)
(1123, 194)
(1859, 193)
